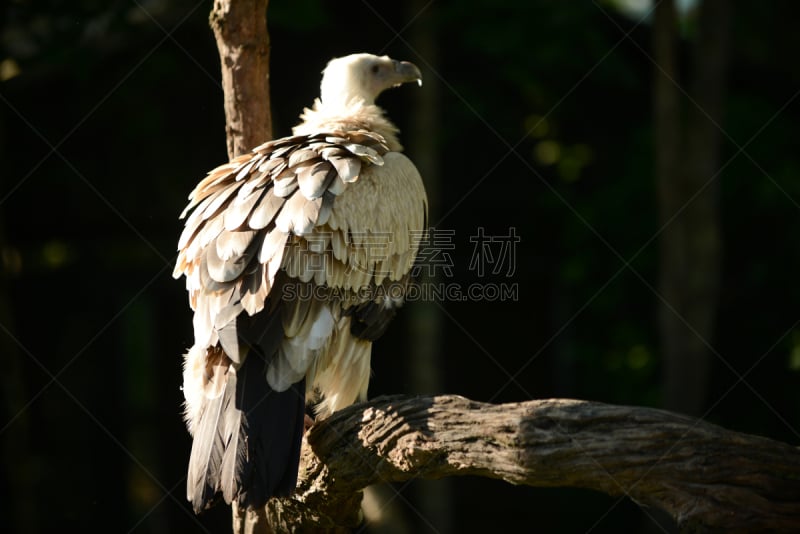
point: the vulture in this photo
(296, 255)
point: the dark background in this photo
(110, 112)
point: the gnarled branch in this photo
(703, 475)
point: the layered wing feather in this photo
(242, 214)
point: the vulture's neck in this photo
(355, 116)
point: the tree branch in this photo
(704, 476)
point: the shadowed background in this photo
(536, 118)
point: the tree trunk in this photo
(707, 478)
(240, 28)
(687, 139)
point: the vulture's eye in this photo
(375, 69)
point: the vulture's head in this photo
(362, 77)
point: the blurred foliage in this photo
(111, 111)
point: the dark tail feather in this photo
(273, 426)
(247, 444)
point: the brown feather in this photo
(254, 290)
(225, 271)
(285, 186)
(233, 244)
(347, 167)
(265, 211)
(239, 210)
(365, 152)
(313, 179)
(291, 213)
(257, 180)
(219, 199)
(326, 207)
(301, 156)
(305, 221)
(245, 170)
(272, 165)
(274, 240)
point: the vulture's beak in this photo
(405, 72)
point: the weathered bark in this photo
(240, 28)
(707, 478)
(687, 139)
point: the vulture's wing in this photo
(242, 215)
(359, 263)
(333, 213)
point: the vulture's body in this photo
(296, 257)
